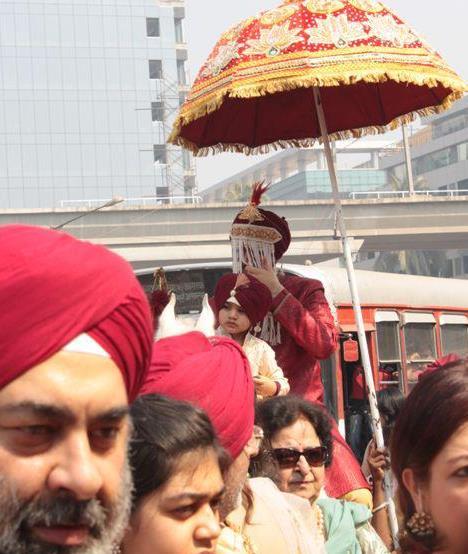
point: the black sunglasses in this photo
(288, 457)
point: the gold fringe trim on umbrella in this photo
(334, 67)
(206, 105)
(309, 142)
(257, 89)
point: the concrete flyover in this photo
(172, 234)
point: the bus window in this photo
(189, 288)
(420, 343)
(454, 334)
(388, 348)
(388, 344)
(190, 285)
(388, 341)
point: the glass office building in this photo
(308, 185)
(88, 93)
(440, 160)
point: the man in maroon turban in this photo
(75, 344)
(213, 374)
(300, 326)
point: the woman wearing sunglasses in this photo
(299, 443)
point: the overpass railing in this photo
(407, 194)
(137, 201)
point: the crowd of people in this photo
(114, 442)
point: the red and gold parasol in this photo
(241, 99)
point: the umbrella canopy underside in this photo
(255, 91)
(257, 124)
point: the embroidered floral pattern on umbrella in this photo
(277, 15)
(324, 6)
(237, 29)
(226, 53)
(273, 41)
(368, 6)
(336, 30)
(388, 30)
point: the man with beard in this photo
(75, 343)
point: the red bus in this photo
(410, 321)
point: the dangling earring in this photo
(421, 525)
(257, 329)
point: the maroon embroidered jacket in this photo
(308, 334)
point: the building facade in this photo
(88, 94)
(316, 184)
(439, 152)
(302, 174)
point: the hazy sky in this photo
(445, 29)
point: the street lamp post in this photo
(108, 204)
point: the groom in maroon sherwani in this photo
(300, 327)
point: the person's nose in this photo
(208, 528)
(303, 466)
(232, 314)
(76, 470)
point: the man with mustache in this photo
(75, 344)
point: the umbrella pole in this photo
(376, 423)
(409, 166)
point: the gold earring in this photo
(421, 526)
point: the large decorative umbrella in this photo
(316, 70)
(255, 92)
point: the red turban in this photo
(214, 374)
(273, 221)
(53, 288)
(254, 297)
(254, 224)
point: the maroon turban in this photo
(255, 225)
(53, 288)
(253, 296)
(213, 374)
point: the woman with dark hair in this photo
(390, 401)
(376, 461)
(298, 438)
(177, 467)
(429, 453)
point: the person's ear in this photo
(252, 448)
(413, 487)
